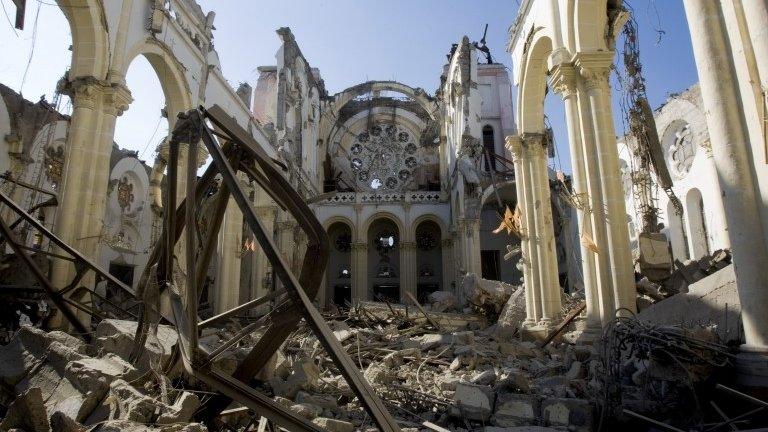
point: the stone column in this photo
(730, 148)
(448, 272)
(544, 235)
(359, 271)
(527, 247)
(564, 83)
(408, 270)
(83, 193)
(594, 210)
(262, 273)
(230, 253)
(595, 67)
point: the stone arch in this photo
(90, 38)
(341, 219)
(339, 272)
(363, 230)
(533, 84)
(386, 267)
(170, 73)
(444, 232)
(589, 24)
(428, 256)
(417, 94)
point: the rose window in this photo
(682, 151)
(384, 157)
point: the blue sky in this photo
(351, 41)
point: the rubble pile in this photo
(678, 281)
(52, 381)
(458, 378)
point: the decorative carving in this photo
(125, 193)
(384, 157)
(54, 164)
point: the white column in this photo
(596, 210)
(549, 287)
(230, 252)
(730, 148)
(82, 198)
(408, 271)
(514, 145)
(595, 68)
(448, 272)
(564, 83)
(359, 271)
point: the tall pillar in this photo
(262, 270)
(82, 198)
(230, 252)
(448, 273)
(549, 288)
(564, 83)
(595, 67)
(723, 108)
(408, 271)
(595, 210)
(359, 271)
(527, 246)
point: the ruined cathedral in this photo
(389, 257)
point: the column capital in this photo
(563, 80)
(594, 67)
(514, 143)
(446, 242)
(409, 245)
(359, 246)
(87, 91)
(117, 97)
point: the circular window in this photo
(387, 154)
(680, 148)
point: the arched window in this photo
(489, 144)
(678, 236)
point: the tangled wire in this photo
(654, 367)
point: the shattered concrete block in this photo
(321, 400)
(449, 382)
(27, 412)
(285, 388)
(130, 404)
(181, 411)
(513, 380)
(306, 410)
(116, 336)
(474, 402)
(464, 338)
(333, 425)
(574, 413)
(61, 423)
(516, 409)
(377, 374)
(486, 377)
(466, 357)
(441, 301)
(431, 341)
(519, 350)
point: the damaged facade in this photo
(467, 285)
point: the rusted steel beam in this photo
(55, 297)
(243, 307)
(314, 261)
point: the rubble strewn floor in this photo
(439, 367)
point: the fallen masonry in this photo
(467, 376)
